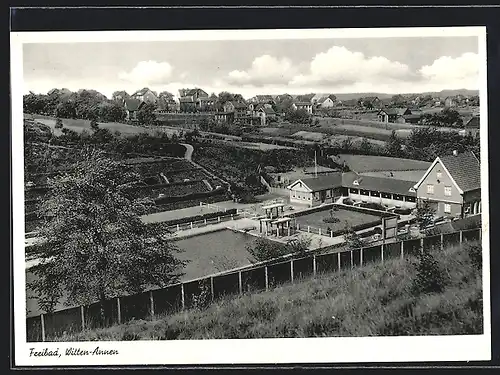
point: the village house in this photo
(326, 102)
(194, 100)
(307, 106)
(262, 99)
(450, 102)
(145, 95)
(131, 107)
(471, 126)
(452, 185)
(370, 102)
(266, 115)
(394, 115)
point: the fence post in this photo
(152, 303)
(182, 296)
(361, 250)
(205, 221)
(291, 270)
(232, 217)
(402, 249)
(338, 261)
(178, 228)
(382, 253)
(191, 225)
(308, 229)
(212, 287)
(331, 234)
(352, 260)
(314, 265)
(119, 310)
(422, 244)
(42, 322)
(240, 283)
(319, 231)
(266, 278)
(461, 237)
(441, 243)
(218, 219)
(82, 315)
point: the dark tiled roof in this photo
(465, 170)
(324, 182)
(133, 104)
(381, 184)
(239, 105)
(473, 123)
(268, 111)
(141, 92)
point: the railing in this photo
(203, 222)
(257, 277)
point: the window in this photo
(447, 208)
(447, 191)
(410, 199)
(397, 197)
(375, 193)
(430, 189)
(353, 191)
(364, 192)
(386, 195)
(439, 174)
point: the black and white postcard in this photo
(250, 196)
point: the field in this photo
(374, 300)
(354, 219)
(79, 125)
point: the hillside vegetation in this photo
(437, 295)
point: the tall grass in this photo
(373, 300)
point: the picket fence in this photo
(253, 278)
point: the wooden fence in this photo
(258, 277)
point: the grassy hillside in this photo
(369, 301)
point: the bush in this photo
(373, 206)
(475, 253)
(348, 201)
(209, 215)
(430, 277)
(403, 211)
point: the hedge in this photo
(166, 200)
(210, 215)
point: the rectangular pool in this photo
(207, 254)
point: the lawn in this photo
(79, 125)
(354, 219)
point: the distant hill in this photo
(441, 94)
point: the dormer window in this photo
(356, 182)
(439, 174)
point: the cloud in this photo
(148, 72)
(339, 66)
(462, 71)
(264, 70)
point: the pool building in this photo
(391, 192)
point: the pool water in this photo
(207, 254)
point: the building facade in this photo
(452, 185)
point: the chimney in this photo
(455, 153)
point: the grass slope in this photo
(369, 301)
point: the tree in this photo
(66, 110)
(425, 214)
(119, 96)
(263, 249)
(146, 114)
(365, 147)
(94, 125)
(299, 116)
(95, 244)
(430, 277)
(351, 238)
(59, 123)
(393, 145)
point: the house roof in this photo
(303, 104)
(267, 111)
(395, 111)
(473, 122)
(465, 169)
(141, 92)
(381, 184)
(239, 105)
(322, 182)
(264, 97)
(368, 163)
(132, 104)
(323, 99)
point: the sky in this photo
(250, 67)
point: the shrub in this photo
(373, 206)
(475, 255)
(348, 201)
(430, 277)
(402, 211)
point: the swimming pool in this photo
(207, 254)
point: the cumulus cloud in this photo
(462, 71)
(264, 70)
(340, 66)
(148, 72)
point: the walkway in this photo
(189, 151)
